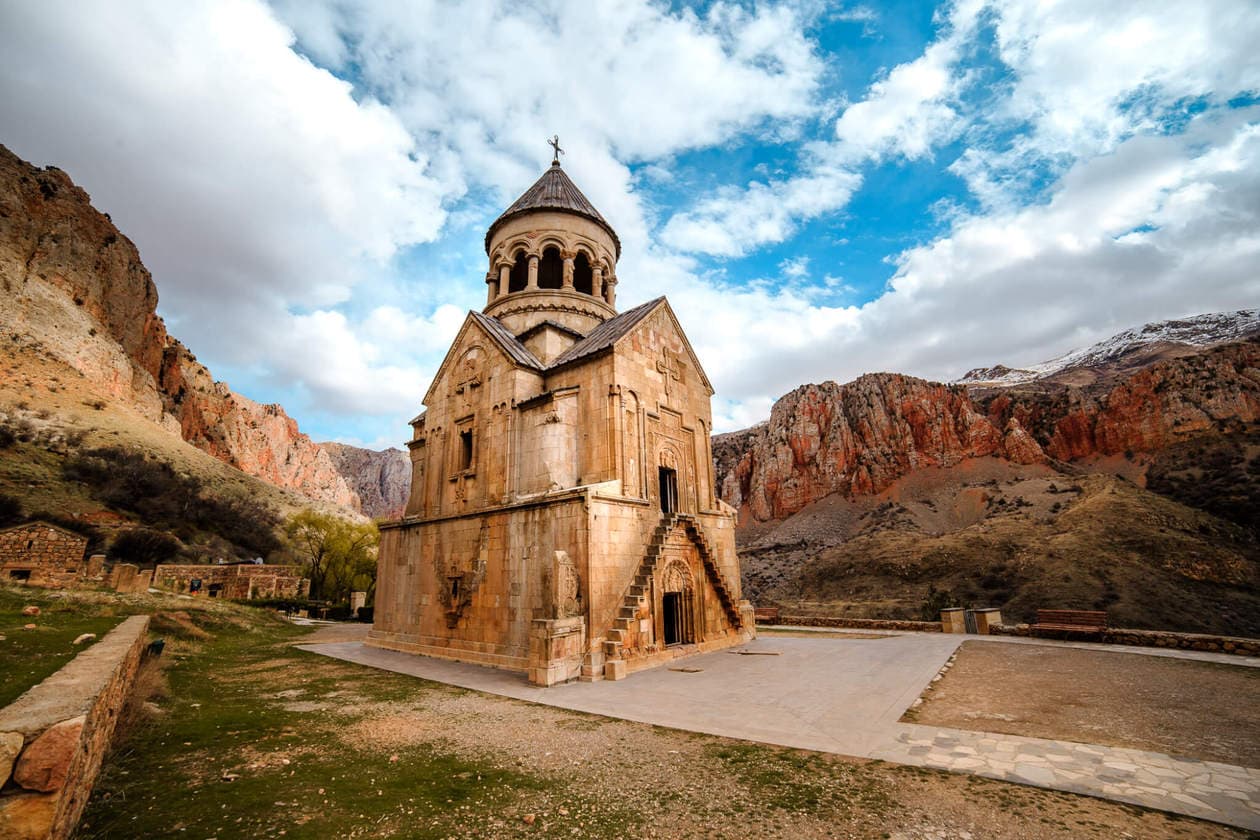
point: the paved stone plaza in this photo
(846, 696)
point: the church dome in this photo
(552, 259)
(553, 191)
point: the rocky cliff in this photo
(76, 292)
(382, 479)
(857, 439)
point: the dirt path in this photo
(1196, 709)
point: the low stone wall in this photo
(1152, 638)
(860, 623)
(54, 737)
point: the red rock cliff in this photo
(76, 291)
(858, 438)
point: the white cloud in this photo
(1088, 75)
(267, 195)
(1025, 285)
(906, 114)
(736, 221)
(249, 178)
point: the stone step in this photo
(616, 635)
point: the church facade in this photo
(563, 519)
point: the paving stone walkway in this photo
(846, 696)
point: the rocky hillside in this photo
(1128, 351)
(77, 294)
(382, 479)
(1129, 483)
(857, 439)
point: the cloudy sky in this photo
(821, 190)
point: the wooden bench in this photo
(1071, 621)
(766, 615)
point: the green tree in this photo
(339, 554)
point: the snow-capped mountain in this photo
(1140, 345)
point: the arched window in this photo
(582, 274)
(520, 273)
(551, 269)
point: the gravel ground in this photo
(620, 777)
(1175, 706)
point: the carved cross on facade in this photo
(554, 143)
(670, 368)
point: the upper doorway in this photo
(668, 489)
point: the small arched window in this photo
(520, 273)
(551, 269)
(582, 274)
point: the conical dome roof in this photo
(554, 191)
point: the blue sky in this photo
(822, 190)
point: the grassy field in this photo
(29, 656)
(241, 735)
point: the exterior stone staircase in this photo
(641, 582)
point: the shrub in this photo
(936, 600)
(10, 510)
(164, 499)
(144, 547)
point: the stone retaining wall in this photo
(1153, 638)
(54, 737)
(859, 623)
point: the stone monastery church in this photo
(563, 519)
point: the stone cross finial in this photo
(554, 143)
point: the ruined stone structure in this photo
(244, 581)
(42, 554)
(562, 518)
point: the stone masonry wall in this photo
(54, 737)
(1153, 638)
(242, 581)
(861, 623)
(43, 554)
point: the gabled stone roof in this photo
(502, 337)
(555, 325)
(607, 333)
(40, 523)
(554, 191)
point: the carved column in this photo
(533, 272)
(610, 291)
(568, 271)
(492, 283)
(597, 281)
(505, 278)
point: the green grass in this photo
(27, 657)
(224, 717)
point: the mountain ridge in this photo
(78, 293)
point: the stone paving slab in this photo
(1139, 650)
(846, 696)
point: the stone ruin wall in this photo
(241, 582)
(53, 556)
(54, 737)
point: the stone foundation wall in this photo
(54, 737)
(1152, 638)
(42, 555)
(860, 623)
(244, 582)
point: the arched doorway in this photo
(677, 606)
(667, 481)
